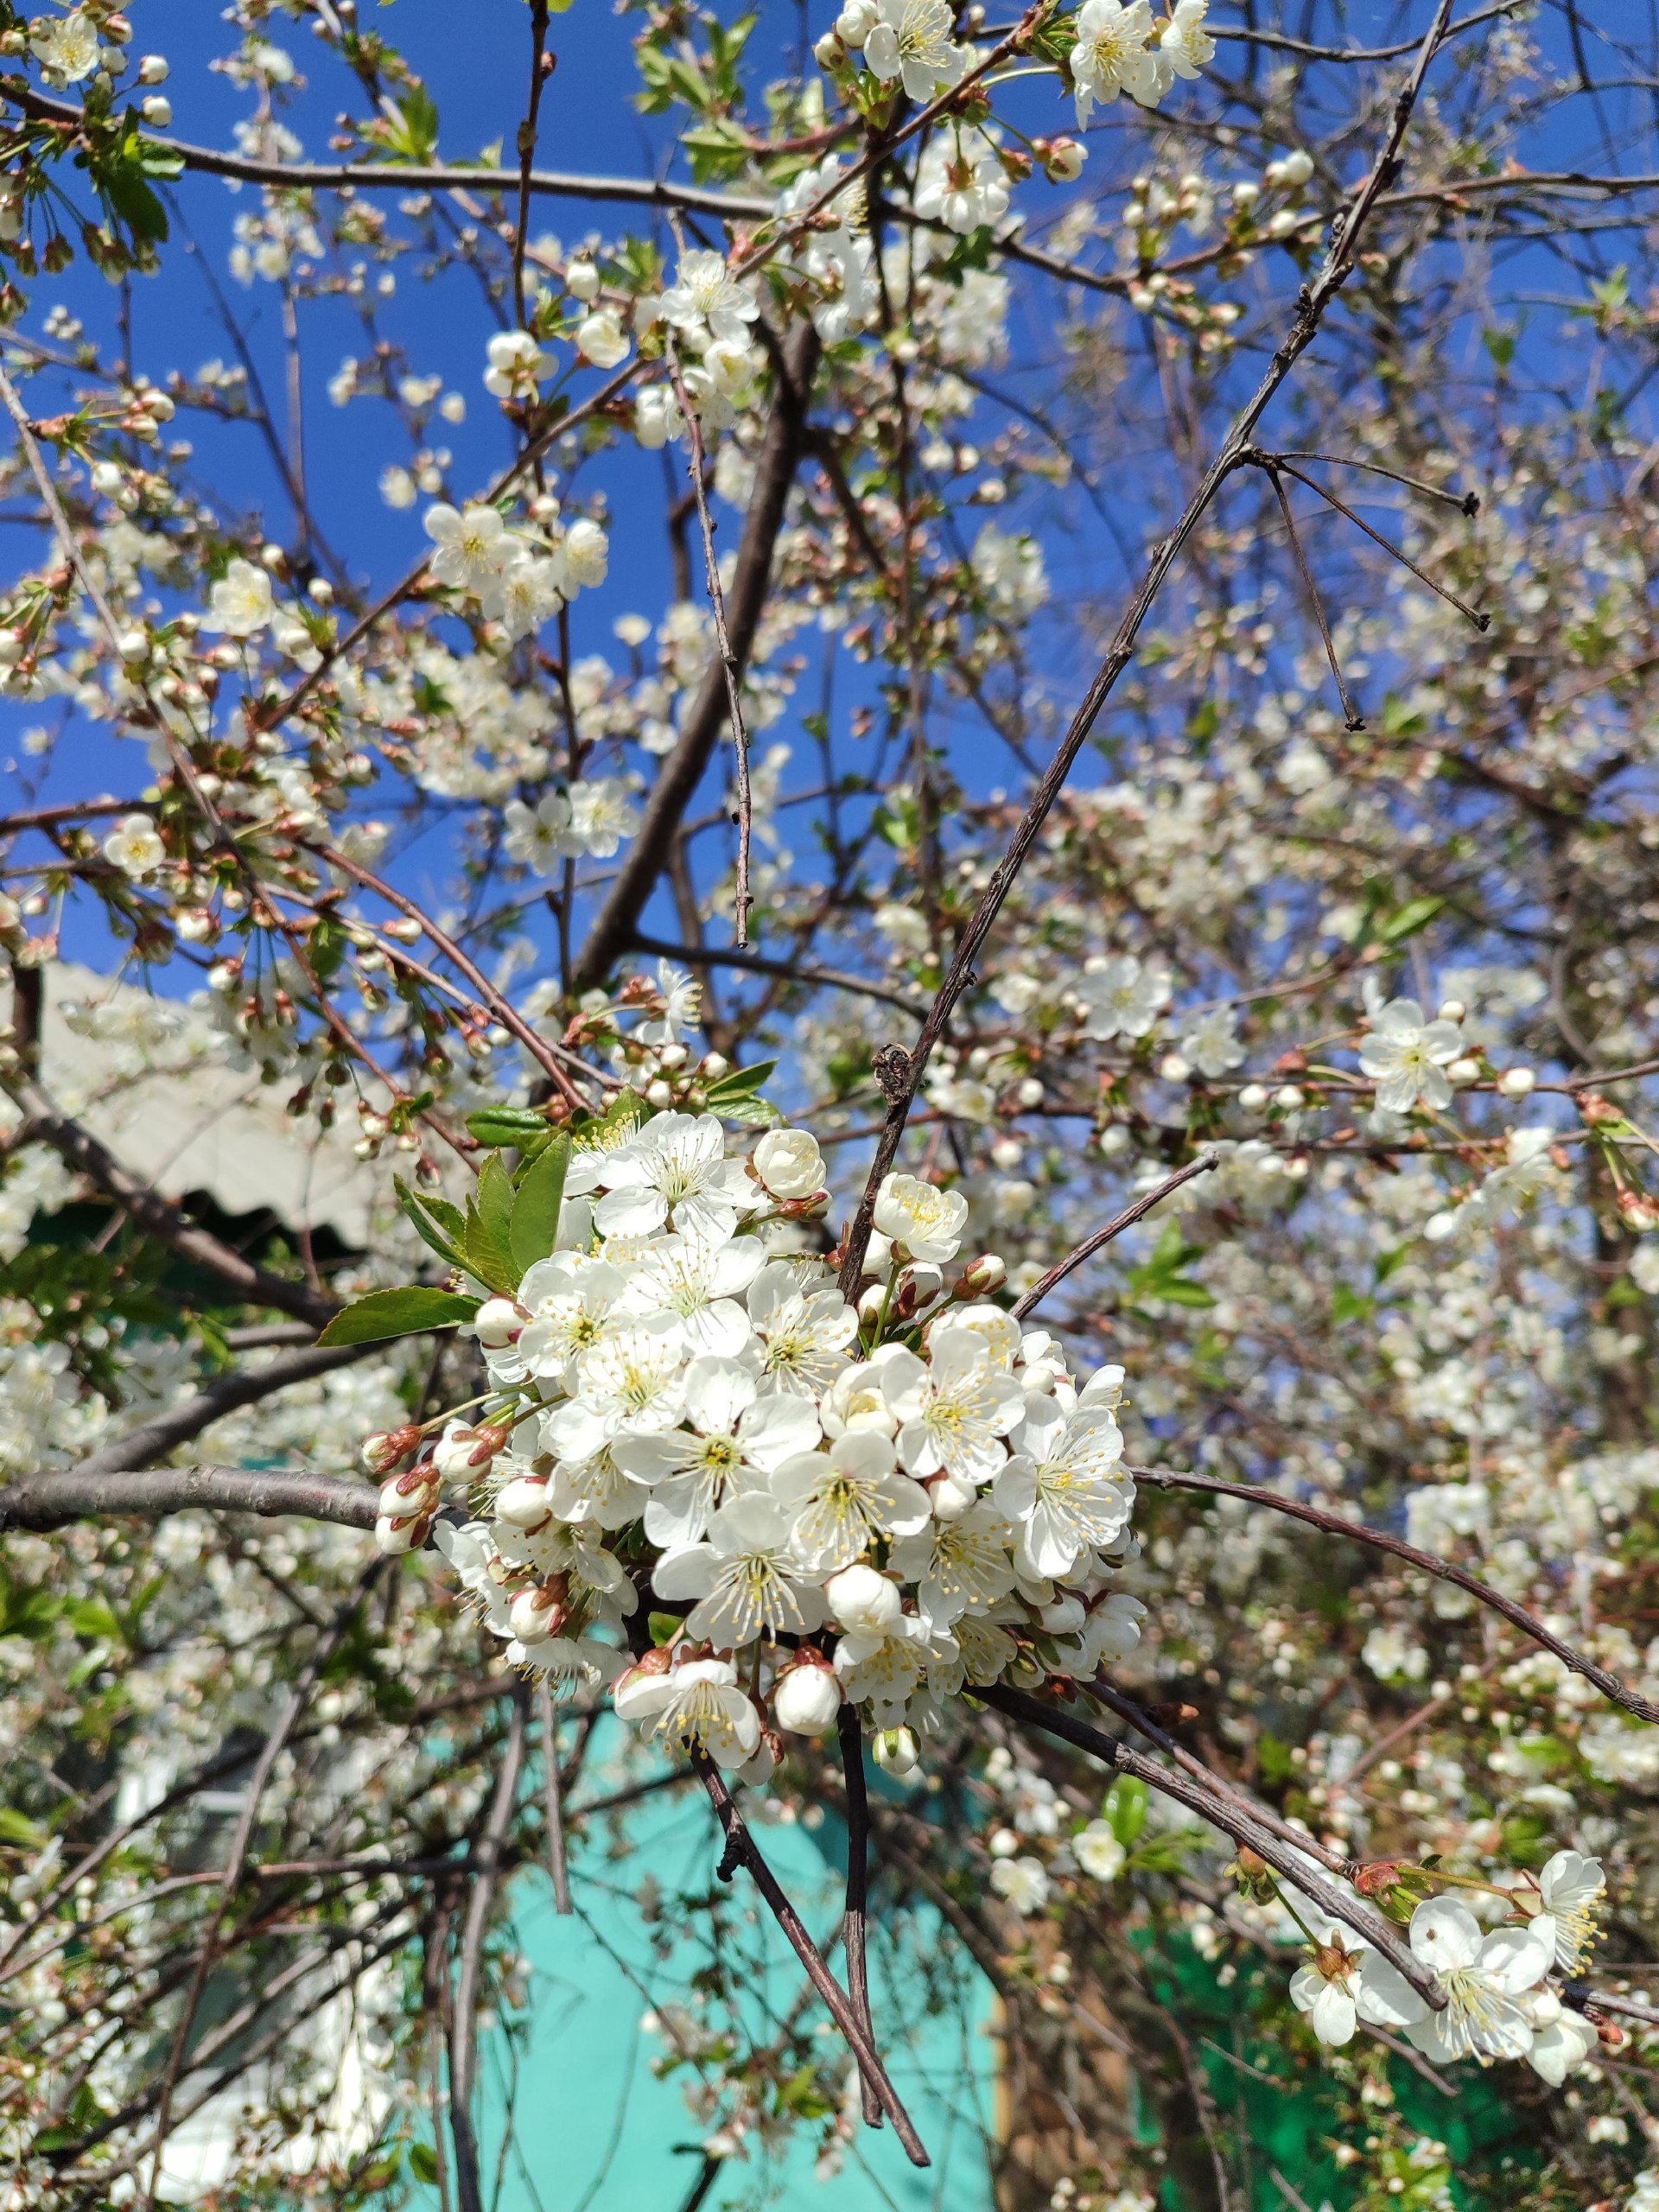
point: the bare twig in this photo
(79, 1148)
(1143, 1205)
(683, 768)
(742, 1850)
(553, 1798)
(463, 2035)
(540, 69)
(1232, 1818)
(695, 468)
(1351, 716)
(1357, 1533)
(293, 1705)
(1236, 448)
(851, 1737)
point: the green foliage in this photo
(534, 1224)
(387, 1314)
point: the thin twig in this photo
(1357, 1533)
(539, 71)
(1227, 1814)
(728, 658)
(293, 1705)
(741, 1848)
(463, 2037)
(1312, 305)
(1352, 718)
(553, 1798)
(1481, 621)
(851, 1737)
(1144, 1205)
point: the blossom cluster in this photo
(813, 1500)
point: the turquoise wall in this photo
(597, 2131)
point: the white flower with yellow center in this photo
(675, 1169)
(697, 1705)
(705, 298)
(926, 1221)
(803, 1331)
(240, 602)
(697, 1280)
(628, 1384)
(1408, 1056)
(958, 1566)
(839, 1501)
(736, 1440)
(1486, 1978)
(1066, 1486)
(954, 1408)
(1574, 1891)
(473, 545)
(571, 1301)
(881, 1667)
(745, 1577)
(910, 40)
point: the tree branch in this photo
(1356, 1532)
(742, 1850)
(1039, 1290)
(850, 1733)
(45, 1501)
(81, 1149)
(1312, 305)
(683, 769)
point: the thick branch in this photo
(158, 1215)
(1232, 1818)
(683, 768)
(51, 1501)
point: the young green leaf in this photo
(387, 1314)
(537, 1201)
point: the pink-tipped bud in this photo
(536, 1614)
(497, 1323)
(988, 1273)
(408, 1495)
(388, 1447)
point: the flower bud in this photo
(1253, 1097)
(788, 1164)
(872, 1301)
(1289, 1098)
(1516, 1083)
(951, 1497)
(828, 51)
(581, 280)
(1637, 1210)
(536, 1613)
(522, 1504)
(134, 646)
(158, 110)
(863, 1601)
(498, 1323)
(410, 1495)
(394, 1536)
(152, 69)
(1063, 159)
(387, 1447)
(1464, 1071)
(988, 1273)
(896, 1752)
(807, 1697)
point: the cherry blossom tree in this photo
(980, 903)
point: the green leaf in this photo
(535, 1223)
(664, 1627)
(421, 1212)
(507, 1125)
(387, 1314)
(736, 1096)
(1348, 1304)
(122, 185)
(489, 1225)
(1415, 915)
(88, 1618)
(1126, 1808)
(159, 161)
(1181, 1291)
(17, 1827)
(423, 2162)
